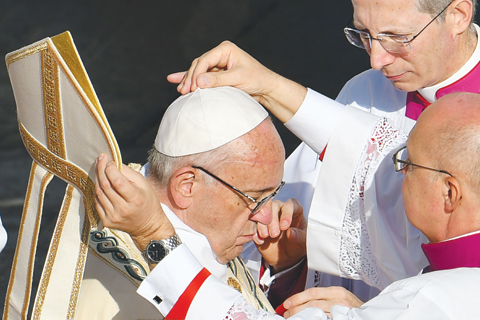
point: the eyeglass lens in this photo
(401, 159)
(391, 43)
(266, 199)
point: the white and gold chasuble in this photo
(63, 128)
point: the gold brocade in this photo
(59, 95)
(25, 53)
(53, 253)
(63, 169)
(82, 257)
(240, 278)
(234, 284)
(64, 44)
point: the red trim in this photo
(180, 309)
(280, 310)
(323, 153)
(262, 268)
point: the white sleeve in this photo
(314, 122)
(3, 236)
(214, 300)
(171, 277)
(357, 226)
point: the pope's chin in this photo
(231, 254)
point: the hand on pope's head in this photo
(224, 65)
(283, 242)
(323, 298)
(126, 201)
(228, 65)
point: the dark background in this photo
(129, 47)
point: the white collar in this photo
(429, 93)
(198, 245)
(463, 235)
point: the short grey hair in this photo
(161, 167)
(433, 7)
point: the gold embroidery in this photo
(52, 157)
(20, 236)
(59, 166)
(252, 292)
(82, 257)
(234, 284)
(78, 78)
(25, 53)
(45, 180)
(52, 253)
(52, 104)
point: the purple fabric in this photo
(458, 253)
(469, 83)
(415, 105)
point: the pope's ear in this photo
(182, 187)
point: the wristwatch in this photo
(156, 250)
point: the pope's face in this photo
(223, 215)
(430, 60)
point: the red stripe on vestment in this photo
(322, 154)
(180, 309)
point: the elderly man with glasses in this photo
(441, 192)
(420, 50)
(216, 164)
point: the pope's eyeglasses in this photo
(259, 204)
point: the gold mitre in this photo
(64, 129)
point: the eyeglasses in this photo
(392, 43)
(259, 204)
(400, 162)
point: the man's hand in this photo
(323, 298)
(283, 242)
(126, 201)
(228, 65)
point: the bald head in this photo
(443, 202)
(449, 131)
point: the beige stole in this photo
(242, 280)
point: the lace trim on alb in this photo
(356, 258)
(242, 310)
